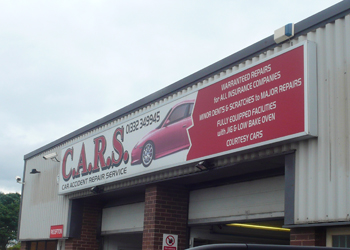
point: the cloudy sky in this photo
(65, 64)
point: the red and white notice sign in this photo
(56, 231)
(169, 242)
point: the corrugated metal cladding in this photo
(41, 206)
(322, 187)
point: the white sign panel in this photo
(143, 144)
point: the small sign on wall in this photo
(169, 242)
(56, 232)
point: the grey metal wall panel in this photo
(256, 199)
(322, 188)
(42, 207)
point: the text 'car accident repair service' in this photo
(253, 149)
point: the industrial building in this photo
(254, 148)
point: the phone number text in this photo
(143, 122)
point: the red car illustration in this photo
(169, 137)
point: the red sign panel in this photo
(260, 104)
(56, 231)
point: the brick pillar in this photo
(308, 236)
(90, 230)
(166, 212)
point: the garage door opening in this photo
(258, 193)
(263, 232)
(126, 241)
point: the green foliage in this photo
(15, 247)
(9, 210)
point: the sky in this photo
(65, 64)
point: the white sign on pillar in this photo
(169, 242)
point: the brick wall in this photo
(91, 224)
(25, 245)
(308, 236)
(166, 212)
